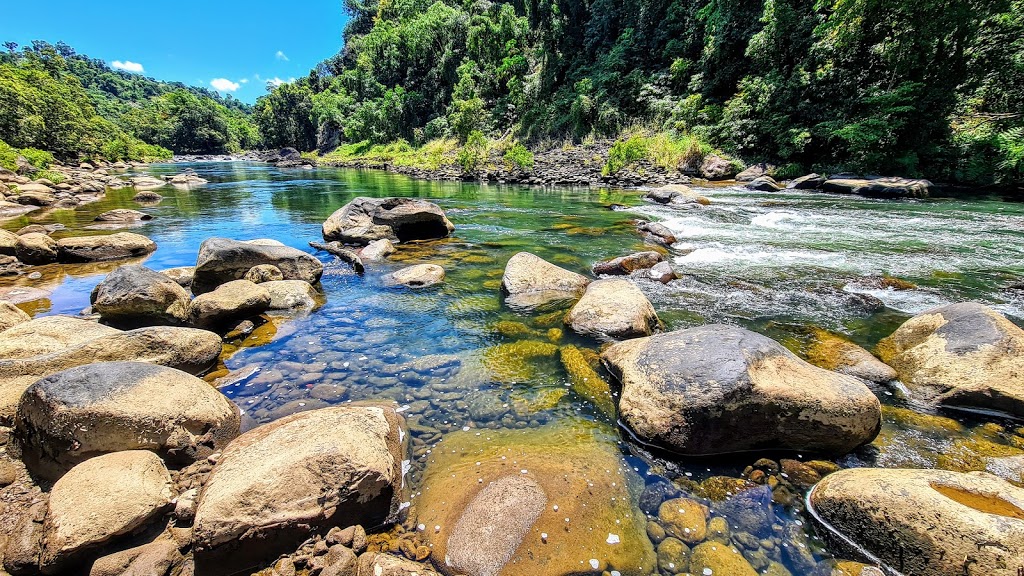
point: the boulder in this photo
(717, 558)
(384, 564)
(763, 184)
(48, 334)
(880, 187)
(36, 248)
(364, 220)
(676, 195)
(719, 389)
(264, 273)
(808, 182)
(181, 275)
(100, 500)
(965, 355)
(35, 195)
(656, 233)
(613, 308)
(625, 265)
(157, 558)
(39, 229)
(754, 172)
(122, 215)
(833, 352)
(8, 242)
(107, 247)
(222, 260)
(187, 349)
(499, 505)
(279, 483)
(135, 295)
(186, 180)
(147, 183)
(531, 281)
(79, 413)
(11, 315)
(12, 209)
(418, 276)
(376, 250)
(235, 300)
(716, 168)
(290, 294)
(662, 272)
(926, 521)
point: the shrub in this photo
(39, 158)
(473, 153)
(518, 155)
(8, 156)
(624, 153)
(51, 175)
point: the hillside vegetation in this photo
(924, 87)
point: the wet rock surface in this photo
(222, 260)
(613, 308)
(136, 295)
(365, 220)
(530, 281)
(717, 389)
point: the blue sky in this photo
(234, 47)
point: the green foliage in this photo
(519, 156)
(51, 175)
(473, 155)
(8, 156)
(624, 153)
(38, 158)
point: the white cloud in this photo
(127, 66)
(244, 81)
(281, 56)
(224, 85)
(275, 81)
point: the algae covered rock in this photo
(534, 501)
(960, 355)
(585, 381)
(833, 352)
(514, 361)
(927, 521)
(719, 389)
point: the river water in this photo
(455, 358)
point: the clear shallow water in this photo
(455, 357)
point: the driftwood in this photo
(341, 252)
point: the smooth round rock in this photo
(418, 276)
(108, 247)
(79, 413)
(531, 281)
(222, 260)
(36, 248)
(684, 519)
(364, 220)
(235, 300)
(613, 308)
(136, 295)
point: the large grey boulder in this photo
(279, 483)
(99, 501)
(36, 248)
(963, 354)
(613, 308)
(107, 247)
(718, 389)
(625, 265)
(717, 168)
(811, 181)
(926, 521)
(676, 195)
(763, 184)
(135, 295)
(234, 300)
(187, 349)
(364, 220)
(754, 172)
(222, 260)
(531, 281)
(48, 334)
(122, 215)
(79, 413)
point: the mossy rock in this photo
(497, 503)
(512, 329)
(586, 382)
(527, 402)
(976, 454)
(514, 361)
(720, 488)
(478, 259)
(550, 319)
(715, 558)
(492, 284)
(555, 335)
(566, 260)
(906, 418)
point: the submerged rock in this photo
(136, 295)
(716, 558)
(534, 502)
(100, 500)
(530, 281)
(222, 260)
(927, 521)
(718, 389)
(418, 276)
(625, 265)
(121, 215)
(613, 308)
(585, 381)
(234, 300)
(82, 412)
(833, 352)
(291, 294)
(965, 355)
(107, 247)
(364, 220)
(278, 484)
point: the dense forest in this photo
(76, 107)
(929, 88)
(923, 87)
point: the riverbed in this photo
(456, 359)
